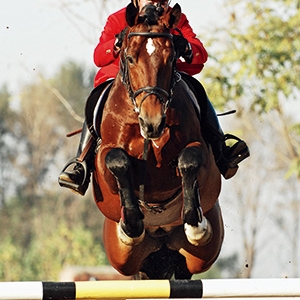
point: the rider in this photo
(76, 174)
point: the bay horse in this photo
(155, 178)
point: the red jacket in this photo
(108, 63)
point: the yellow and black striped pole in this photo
(110, 289)
(256, 288)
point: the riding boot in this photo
(226, 157)
(76, 173)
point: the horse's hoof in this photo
(199, 235)
(140, 276)
(126, 239)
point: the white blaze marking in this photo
(150, 46)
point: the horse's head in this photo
(147, 67)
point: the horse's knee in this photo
(131, 230)
(117, 161)
(190, 160)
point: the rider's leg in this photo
(227, 158)
(76, 174)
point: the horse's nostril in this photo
(146, 127)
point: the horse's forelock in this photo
(149, 14)
(152, 15)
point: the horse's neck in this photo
(119, 95)
(182, 114)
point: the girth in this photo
(164, 213)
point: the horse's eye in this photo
(130, 59)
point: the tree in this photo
(39, 138)
(7, 151)
(89, 25)
(36, 244)
(259, 69)
(255, 67)
(44, 227)
(74, 83)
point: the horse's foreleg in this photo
(197, 228)
(131, 228)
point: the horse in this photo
(155, 177)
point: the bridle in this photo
(165, 97)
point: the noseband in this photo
(165, 97)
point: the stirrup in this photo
(80, 187)
(228, 164)
(236, 153)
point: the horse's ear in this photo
(173, 16)
(131, 14)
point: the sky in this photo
(37, 37)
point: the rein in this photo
(165, 97)
(142, 185)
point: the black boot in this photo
(76, 173)
(227, 158)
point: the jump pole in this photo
(109, 289)
(146, 289)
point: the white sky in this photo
(35, 35)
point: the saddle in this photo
(199, 95)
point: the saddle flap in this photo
(192, 97)
(97, 114)
(94, 107)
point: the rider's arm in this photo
(105, 52)
(198, 51)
